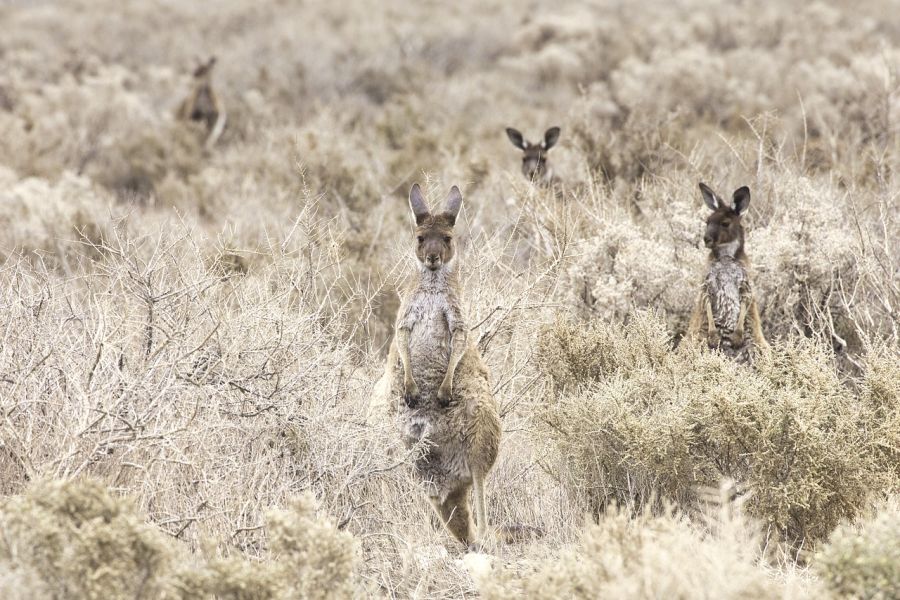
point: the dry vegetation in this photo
(189, 338)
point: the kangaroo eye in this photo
(421, 239)
(726, 223)
(447, 238)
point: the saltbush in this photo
(632, 421)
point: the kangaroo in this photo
(203, 105)
(439, 384)
(726, 297)
(534, 156)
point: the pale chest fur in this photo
(430, 312)
(725, 283)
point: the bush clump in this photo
(68, 539)
(646, 557)
(632, 421)
(863, 561)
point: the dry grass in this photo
(189, 339)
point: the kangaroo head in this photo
(724, 232)
(204, 70)
(434, 232)
(534, 156)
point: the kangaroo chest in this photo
(428, 316)
(204, 105)
(725, 283)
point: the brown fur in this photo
(203, 105)
(534, 156)
(439, 386)
(726, 297)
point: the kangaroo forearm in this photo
(756, 325)
(696, 319)
(742, 317)
(458, 341)
(710, 319)
(402, 341)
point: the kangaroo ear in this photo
(417, 204)
(516, 138)
(454, 203)
(711, 199)
(551, 136)
(741, 200)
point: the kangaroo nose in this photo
(432, 258)
(707, 239)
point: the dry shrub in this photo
(52, 219)
(650, 557)
(628, 267)
(803, 257)
(863, 560)
(633, 421)
(68, 539)
(881, 398)
(217, 360)
(81, 542)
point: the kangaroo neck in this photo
(439, 280)
(733, 250)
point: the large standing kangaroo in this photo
(440, 387)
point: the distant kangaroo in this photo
(203, 105)
(726, 296)
(534, 156)
(438, 373)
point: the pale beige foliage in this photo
(200, 330)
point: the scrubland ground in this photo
(189, 340)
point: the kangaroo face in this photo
(434, 242)
(534, 156)
(723, 225)
(434, 232)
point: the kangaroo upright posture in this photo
(440, 387)
(726, 297)
(203, 105)
(534, 156)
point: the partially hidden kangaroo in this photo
(534, 156)
(203, 105)
(726, 297)
(440, 387)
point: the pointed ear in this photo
(711, 199)
(516, 138)
(741, 200)
(454, 203)
(551, 136)
(417, 204)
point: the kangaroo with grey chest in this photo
(443, 399)
(726, 298)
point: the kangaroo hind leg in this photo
(480, 510)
